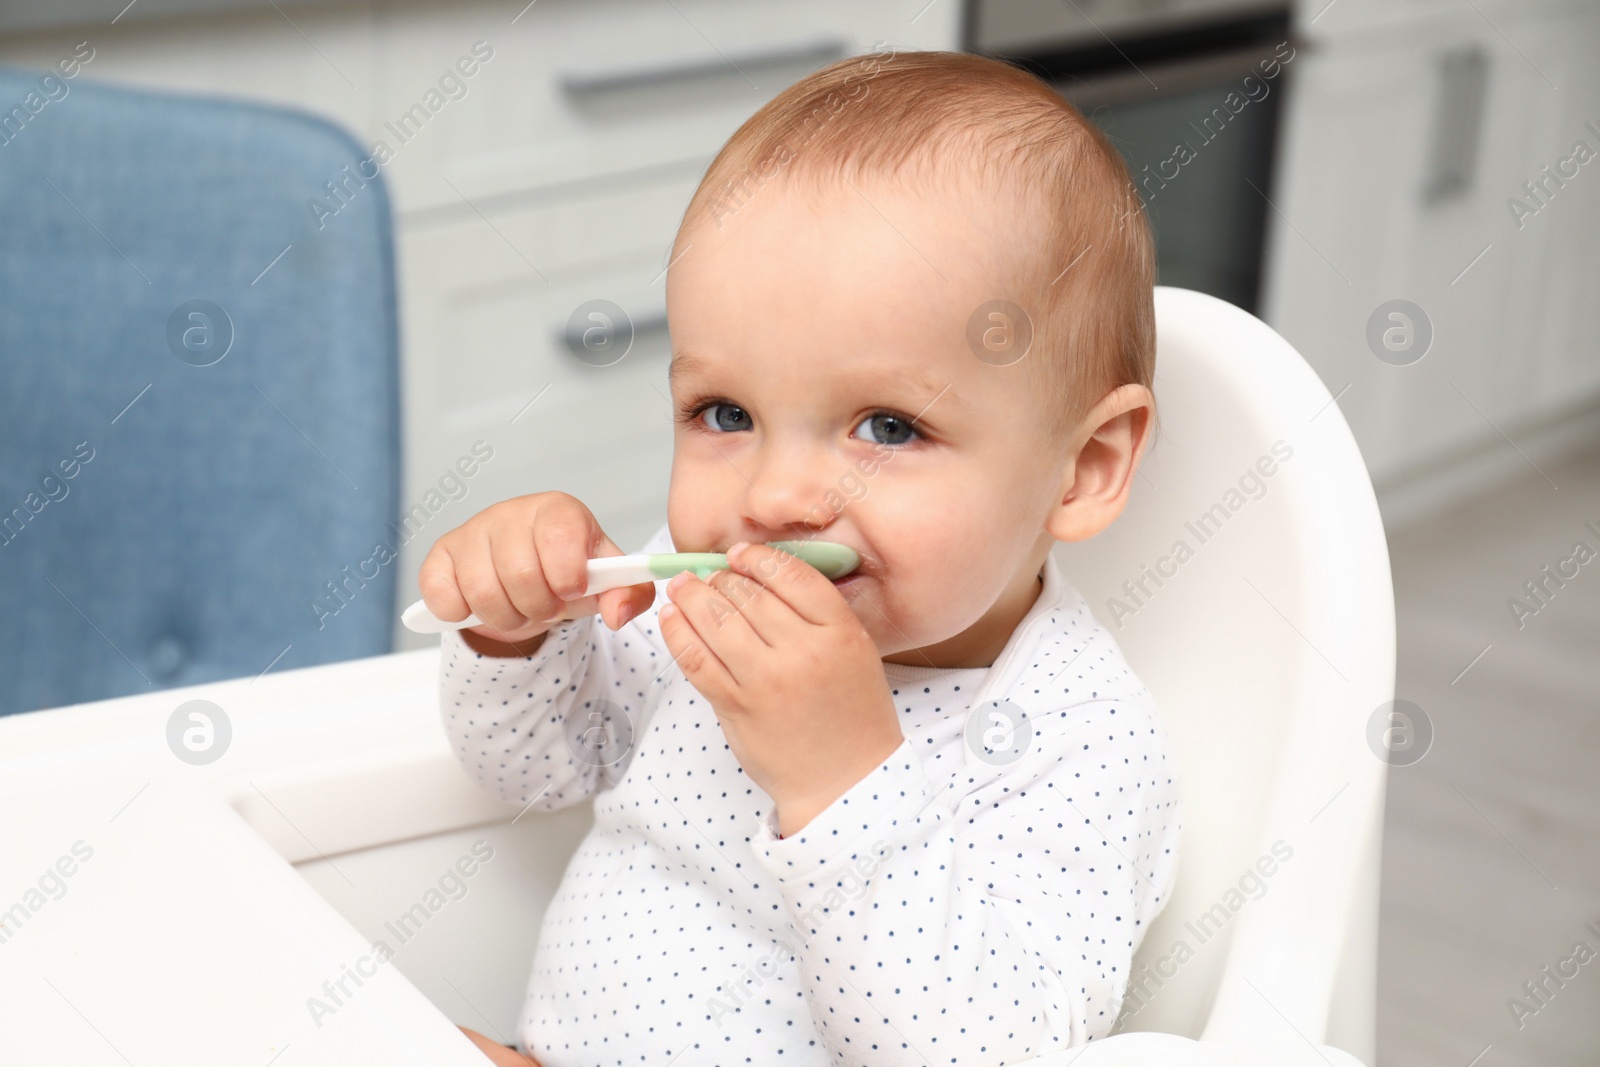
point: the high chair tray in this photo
(149, 911)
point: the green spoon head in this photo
(832, 559)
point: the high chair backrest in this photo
(200, 421)
(1248, 584)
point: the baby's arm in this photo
(524, 714)
(995, 928)
(521, 726)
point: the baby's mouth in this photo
(847, 581)
(853, 579)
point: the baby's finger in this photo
(477, 575)
(563, 538)
(724, 631)
(620, 606)
(792, 580)
(693, 656)
(437, 581)
(761, 609)
(521, 572)
(617, 606)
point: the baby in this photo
(919, 815)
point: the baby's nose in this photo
(793, 491)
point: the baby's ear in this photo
(1096, 483)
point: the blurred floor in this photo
(1490, 865)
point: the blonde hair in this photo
(1086, 276)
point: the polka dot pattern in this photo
(944, 910)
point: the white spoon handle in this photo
(608, 572)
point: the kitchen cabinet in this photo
(576, 188)
(1394, 186)
(538, 158)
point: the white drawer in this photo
(576, 91)
(522, 241)
(487, 301)
(572, 90)
(486, 353)
(507, 348)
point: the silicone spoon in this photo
(614, 572)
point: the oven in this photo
(1190, 92)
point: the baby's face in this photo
(824, 389)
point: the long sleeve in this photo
(552, 729)
(986, 922)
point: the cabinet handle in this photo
(650, 322)
(1458, 117)
(588, 84)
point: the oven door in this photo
(1197, 129)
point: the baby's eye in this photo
(897, 430)
(725, 418)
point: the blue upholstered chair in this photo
(199, 415)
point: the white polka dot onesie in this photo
(974, 900)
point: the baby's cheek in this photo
(893, 623)
(871, 622)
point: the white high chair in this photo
(1271, 653)
(236, 887)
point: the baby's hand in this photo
(499, 1054)
(521, 566)
(795, 679)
